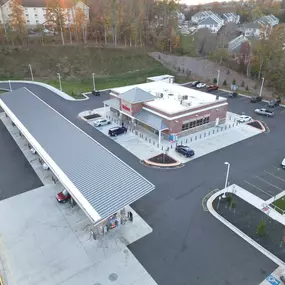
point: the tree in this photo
(56, 16)
(261, 229)
(80, 23)
(17, 19)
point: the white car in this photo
(101, 122)
(201, 85)
(244, 118)
(283, 163)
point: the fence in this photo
(165, 143)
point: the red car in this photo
(213, 88)
(63, 196)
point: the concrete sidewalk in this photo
(144, 144)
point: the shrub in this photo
(234, 82)
(215, 81)
(225, 82)
(261, 229)
(178, 68)
(242, 84)
(246, 88)
(229, 199)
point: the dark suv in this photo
(117, 131)
(95, 92)
(274, 103)
(185, 150)
(256, 99)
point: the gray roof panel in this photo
(151, 120)
(136, 95)
(106, 182)
(113, 102)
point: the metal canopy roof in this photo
(114, 103)
(151, 120)
(100, 182)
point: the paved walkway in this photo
(144, 144)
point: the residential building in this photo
(35, 11)
(212, 23)
(234, 46)
(198, 17)
(252, 30)
(231, 18)
(268, 20)
(166, 108)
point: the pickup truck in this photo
(264, 112)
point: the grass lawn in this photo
(280, 203)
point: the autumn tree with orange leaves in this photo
(17, 20)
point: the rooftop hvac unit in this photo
(184, 97)
(179, 97)
(186, 103)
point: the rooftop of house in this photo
(171, 98)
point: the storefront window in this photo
(196, 123)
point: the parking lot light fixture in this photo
(59, 80)
(93, 77)
(261, 88)
(227, 177)
(218, 78)
(31, 71)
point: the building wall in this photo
(175, 126)
(136, 108)
(36, 15)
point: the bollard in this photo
(186, 141)
(146, 139)
(171, 146)
(229, 126)
(176, 143)
(225, 127)
(195, 138)
(162, 148)
(209, 133)
(200, 135)
(204, 134)
(149, 140)
(233, 124)
(213, 131)
(136, 132)
(191, 139)
(153, 142)
(158, 145)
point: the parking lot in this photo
(16, 174)
(267, 184)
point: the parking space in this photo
(16, 174)
(267, 184)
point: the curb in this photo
(239, 232)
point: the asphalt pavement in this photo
(16, 174)
(188, 245)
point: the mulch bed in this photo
(162, 158)
(256, 124)
(247, 218)
(93, 116)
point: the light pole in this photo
(31, 71)
(218, 78)
(261, 87)
(93, 77)
(59, 80)
(227, 177)
(10, 86)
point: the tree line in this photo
(116, 22)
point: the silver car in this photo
(101, 122)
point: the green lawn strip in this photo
(280, 203)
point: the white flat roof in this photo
(170, 103)
(160, 77)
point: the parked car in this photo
(256, 99)
(95, 92)
(233, 94)
(63, 196)
(274, 103)
(185, 150)
(264, 112)
(244, 118)
(201, 85)
(283, 163)
(195, 83)
(101, 122)
(212, 87)
(117, 131)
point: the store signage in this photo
(126, 108)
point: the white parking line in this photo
(274, 175)
(269, 183)
(258, 188)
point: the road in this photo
(188, 245)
